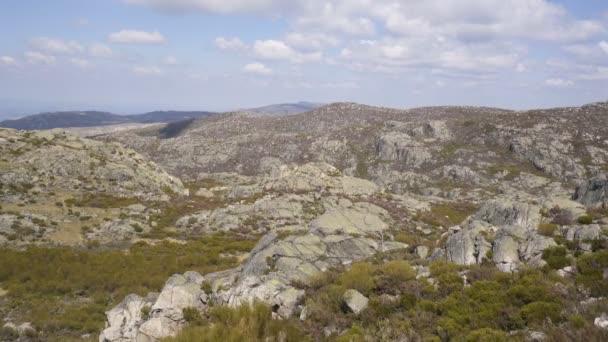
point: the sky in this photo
(131, 56)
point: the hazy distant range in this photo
(68, 119)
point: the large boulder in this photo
(506, 212)
(165, 318)
(354, 301)
(505, 227)
(593, 192)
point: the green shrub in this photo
(393, 274)
(487, 335)
(547, 229)
(206, 287)
(145, 312)
(192, 316)
(247, 323)
(585, 219)
(67, 291)
(556, 257)
(538, 312)
(577, 321)
(359, 277)
(591, 267)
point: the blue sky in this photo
(131, 56)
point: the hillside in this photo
(45, 121)
(347, 222)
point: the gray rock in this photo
(123, 321)
(601, 321)
(505, 212)
(396, 146)
(422, 252)
(582, 232)
(536, 336)
(593, 192)
(355, 301)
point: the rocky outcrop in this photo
(396, 146)
(157, 316)
(315, 177)
(548, 155)
(56, 162)
(346, 233)
(504, 227)
(593, 192)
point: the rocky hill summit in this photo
(52, 184)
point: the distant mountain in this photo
(286, 108)
(94, 118)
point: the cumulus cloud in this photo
(233, 44)
(139, 37)
(559, 83)
(56, 45)
(212, 6)
(279, 50)
(38, 58)
(311, 40)
(257, 68)
(604, 46)
(148, 70)
(100, 50)
(7, 60)
(466, 20)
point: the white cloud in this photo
(7, 60)
(211, 6)
(464, 20)
(81, 63)
(278, 50)
(38, 58)
(148, 70)
(273, 49)
(559, 83)
(233, 44)
(604, 46)
(134, 36)
(56, 45)
(521, 68)
(257, 68)
(100, 50)
(171, 60)
(310, 41)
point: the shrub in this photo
(359, 278)
(192, 316)
(591, 268)
(577, 321)
(394, 273)
(538, 312)
(206, 287)
(547, 229)
(487, 335)
(247, 323)
(560, 216)
(67, 291)
(585, 219)
(145, 311)
(556, 257)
